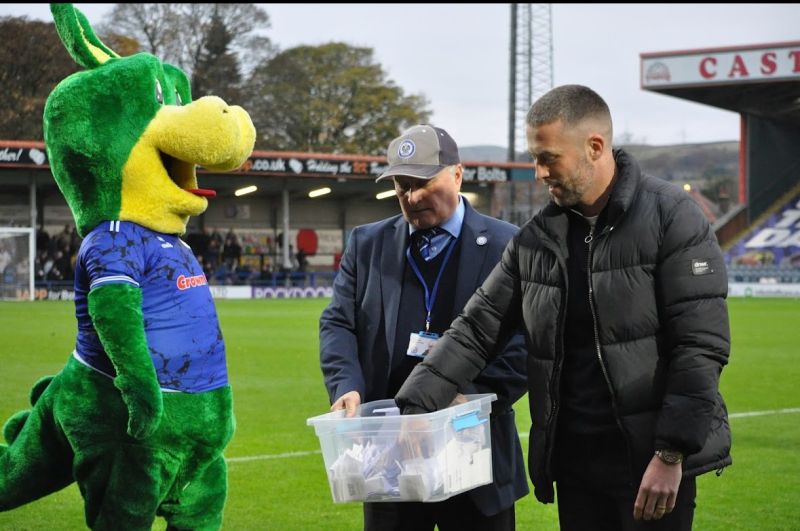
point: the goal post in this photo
(17, 259)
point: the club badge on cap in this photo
(407, 149)
(420, 152)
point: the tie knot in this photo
(431, 232)
(426, 235)
(424, 238)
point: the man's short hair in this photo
(571, 104)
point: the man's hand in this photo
(459, 399)
(658, 490)
(416, 434)
(348, 401)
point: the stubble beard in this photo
(573, 190)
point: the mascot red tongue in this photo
(203, 192)
(141, 412)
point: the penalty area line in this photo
(288, 455)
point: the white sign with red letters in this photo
(710, 67)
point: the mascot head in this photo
(124, 137)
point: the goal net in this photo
(17, 256)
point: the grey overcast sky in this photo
(457, 55)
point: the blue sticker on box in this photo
(469, 420)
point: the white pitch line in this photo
(270, 456)
(521, 435)
(762, 413)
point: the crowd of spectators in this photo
(55, 255)
(222, 258)
(227, 261)
(224, 262)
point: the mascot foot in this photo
(14, 425)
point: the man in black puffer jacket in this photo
(620, 286)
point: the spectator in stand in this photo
(74, 244)
(199, 241)
(231, 252)
(292, 261)
(58, 267)
(42, 240)
(5, 257)
(337, 260)
(38, 268)
(64, 263)
(216, 236)
(302, 261)
(266, 269)
(47, 265)
(64, 239)
(212, 254)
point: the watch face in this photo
(669, 456)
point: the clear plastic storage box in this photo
(379, 455)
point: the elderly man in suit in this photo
(401, 282)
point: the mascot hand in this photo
(142, 397)
(117, 316)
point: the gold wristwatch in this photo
(670, 457)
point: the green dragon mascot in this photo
(141, 412)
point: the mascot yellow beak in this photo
(159, 184)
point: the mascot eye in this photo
(159, 93)
(178, 99)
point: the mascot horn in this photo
(142, 410)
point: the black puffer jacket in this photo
(658, 285)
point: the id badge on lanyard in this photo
(420, 343)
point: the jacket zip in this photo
(589, 240)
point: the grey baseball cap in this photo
(421, 152)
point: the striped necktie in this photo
(425, 241)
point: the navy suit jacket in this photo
(357, 334)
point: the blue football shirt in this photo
(180, 320)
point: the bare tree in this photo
(32, 63)
(182, 33)
(152, 25)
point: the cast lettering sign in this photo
(705, 67)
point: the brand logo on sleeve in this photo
(701, 267)
(185, 282)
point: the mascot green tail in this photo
(14, 425)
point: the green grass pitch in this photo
(277, 383)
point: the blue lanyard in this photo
(430, 296)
